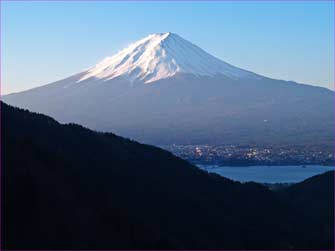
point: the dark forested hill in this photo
(315, 198)
(67, 187)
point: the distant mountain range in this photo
(164, 90)
(67, 187)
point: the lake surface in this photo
(267, 174)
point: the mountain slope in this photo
(66, 187)
(164, 90)
(316, 196)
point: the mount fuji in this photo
(163, 89)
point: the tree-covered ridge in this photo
(67, 187)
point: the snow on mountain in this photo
(162, 55)
(192, 98)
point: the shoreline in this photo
(260, 164)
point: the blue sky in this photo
(46, 41)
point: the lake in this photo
(267, 174)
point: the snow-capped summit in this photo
(159, 56)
